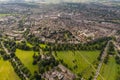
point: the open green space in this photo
(42, 45)
(109, 71)
(7, 71)
(28, 44)
(2, 15)
(83, 59)
(27, 59)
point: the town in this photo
(66, 41)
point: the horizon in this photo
(58, 1)
(55, 1)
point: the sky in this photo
(61, 0)
(49, 0)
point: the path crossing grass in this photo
(109, 71)
(69, 57)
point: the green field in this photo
(83, 59)
(109, 71)
(7, 71)
(28, 44)
(2, 15)
(27, 59)
(42, 45)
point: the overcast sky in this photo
(61, 0)
(49, 0)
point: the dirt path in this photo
(91, 65)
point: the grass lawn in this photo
(30, 45)
(2, 15)
(7, 71)
(42, 45)
(27, 59)
(109, 71)
(83, 59)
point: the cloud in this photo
(51, 0)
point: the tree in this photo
(36, 47)
(117, 58)
(41, 69)
(106, 59)
(37, 76)
(34, 61)
(111, 49)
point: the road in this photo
(116, 48)
(104, 54)
(5, 49)
(21, 72)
